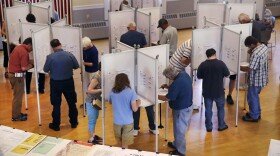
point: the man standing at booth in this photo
(131, 38)
(258, 77)
(169, 35)
(19, 63)
(60, 65)
(180, 101)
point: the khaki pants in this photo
(124, 133)
(18, 89)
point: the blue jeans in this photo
(220, 103)
(181, 121)
(92, 116)
(254, 101)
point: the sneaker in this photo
(230, 100)
(196, 107)
(98, 138)
(135, 132)
(153, 132)
(221, 129)
(175, 152)
(170, 144)
(74, 125)
(21, 118)
(51, 126)
(23, 114)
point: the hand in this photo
(138, 102)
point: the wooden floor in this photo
(246, 139)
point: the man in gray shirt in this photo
(169, 35)
(60, 65)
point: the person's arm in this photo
(75, 62)
(135, 105)
(163, 39)
(47, 65)
(163, 98)
(26, 64)
(91, 88)
(164, 86)
(3, 28)
(199, 73)
(90, 64)
(245, 69)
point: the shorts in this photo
(124, 133)
(232, 77)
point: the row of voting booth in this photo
(146, 20)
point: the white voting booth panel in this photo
(163, 60)
(155, 17)
(118, 24)
(70, 39)
(137, 3)
(147, 77)
(246, 30)
(235, 9)
(46, 4)
(214, 12)
(209, 24)
(41, 47)
(260, 6)
(115, 63)
(203, 39)
(41, 14)
(61, 22)
(27, 28)
(230, 49)
(122, 47)
(115, 4)
(16, 3)
(127, 7)
(143, 24)
(13, 15)
(147, 4)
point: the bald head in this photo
(244, 18)
(131, 26)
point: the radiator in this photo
(274, 6)
(181, 20)
(94, 30)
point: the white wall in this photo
(87, 2)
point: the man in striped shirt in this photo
(181, 59)
(258, 77)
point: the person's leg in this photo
(253, 102)
(6, 58)
(208, 113)
(41, 81)
(220, 103)
(151, 117)
(231, 86)
(92, 117)
(71, 98)
(136, 118)
(181, 120)
(18, 91)
(28, 78)
(55, 95)
(127, 135)
(118, 134)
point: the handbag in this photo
(96, 103)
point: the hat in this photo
(131, 24)
(162, 22)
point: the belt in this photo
(17, 74)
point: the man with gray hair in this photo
(133, 37)
(179, 96)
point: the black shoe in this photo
(98, 138)
(94, 142)
(248, 115)
(27, 91)
(6, 75)
(209, 130)
(170, 144)
(21, 118)
(230, 100)
(175, 152)
(221, 129)
(249, 119)
(55, 128)
(23, 114)
(74, 125)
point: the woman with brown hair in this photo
(124, 101)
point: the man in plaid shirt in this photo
(258, 77)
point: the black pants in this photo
(151, 118)
(6, 57)
(41, 81)
(66, 87)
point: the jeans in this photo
(92, 116)
(66, 87)
(254, 101)
(181, 121)
(151, 118)
(220, 103)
